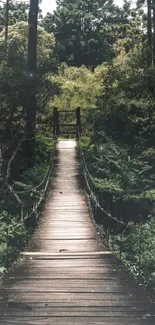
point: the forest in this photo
(99, 57)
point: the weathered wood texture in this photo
(66, 277)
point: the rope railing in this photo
(88, 179)
(29, 210)
(115, 239)
(39, 190)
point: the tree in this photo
(17, 12)
(80, 87)
(17, 48)
(31, 106)
(47, 22)
(77, 26)
(14, 79)
(150, 18)
(149, 32)
(153, 32)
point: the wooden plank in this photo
(27, 312)
(45, 320)
(68, 254)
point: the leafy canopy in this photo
(78, 25)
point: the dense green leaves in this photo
(17, 12)
(78, 29)
(15, 80)
(17, 47)
(79, 87)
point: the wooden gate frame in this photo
(56, 123)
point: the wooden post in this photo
(57, 125)
(56, 129)
(78, 123)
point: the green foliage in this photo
(15, 85)
(80, 87)
(48, 87)
(125, 113)
(30, 186)
(17, 47)
(137, 245)
(34, 175)
(85, 143)
(15, 82)
(120, 152)
(113, 167)
(13, 237)
(78, 26)
(44, 148)
(17, 12)
(120, 183)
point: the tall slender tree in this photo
(153, 5)
(6, 26)
(150, 4)
(32, 70)
(149, 31)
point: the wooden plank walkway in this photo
(67, 277)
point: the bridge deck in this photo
(67, 277)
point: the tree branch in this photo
(10, 162)
(10, 189)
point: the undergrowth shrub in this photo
(137, 246)
(14, 234)
(13, 237)
(123, 184)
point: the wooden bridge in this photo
(67, 276)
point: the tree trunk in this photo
(153, 3)
(31, 96)
(149, 32)
(6, 27)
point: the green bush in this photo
(137, 245)
(124, 186)
(13, 238)
(44, 148)
(14, 233)
(34, 176)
